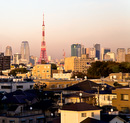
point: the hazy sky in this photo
(66, 21)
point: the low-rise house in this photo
(105, 97)
(53, 85)
(79, 97)
(115, 118)
(10, 85)
(92, 120)
(75, 113)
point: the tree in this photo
(99, 69)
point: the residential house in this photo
(75, 113)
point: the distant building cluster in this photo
(103, 54)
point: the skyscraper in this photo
(128, 51)
(92, 53)
(109, 56)
(25, 52)
(104, 51)
(121, 54)
(76, 50)
(43, 53)
(97, 48)
(8, 51)
(16, 58)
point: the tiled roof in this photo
(83, 86)
(79, 107)
(92, 120)
(77, 95)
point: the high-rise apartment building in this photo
(25, 52)
(121, 55)
(4, 62)
(76, 50)
(97, 48)
(104, 51)
(92, 52)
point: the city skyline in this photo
(67, 22)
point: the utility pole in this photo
(97, 94)
(61, 99)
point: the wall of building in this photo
(122, 100)
(42, 71)
(78, 64)
(76, 116)
(56, 84)
(13, 86)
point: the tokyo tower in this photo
(43, 54)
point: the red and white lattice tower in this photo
(43, 54)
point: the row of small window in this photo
(18, 87)
(85, 114)
(39, 120)
(43, 71)
(43, 76)
(44, 66)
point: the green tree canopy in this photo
(99, 69)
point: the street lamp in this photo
(80, 95)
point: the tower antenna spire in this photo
(43, 53)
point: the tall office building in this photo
(33, 60)
(121, 55)
(25, 52)
(76, 50)
(97, 48)
(104, 51)
(82, 49)
(43, 53)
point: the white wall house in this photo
(105, 99)
(13, 86)
(75, 113)
(66, 76)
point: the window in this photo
(125, 109)
(83, 115)
(124, 97)
(6, 87)
(19, 86)
(92, 114)
(108, 98)
(30, 120)
(11, 121)
(31, 86)
(52, 86)
(3, 121)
